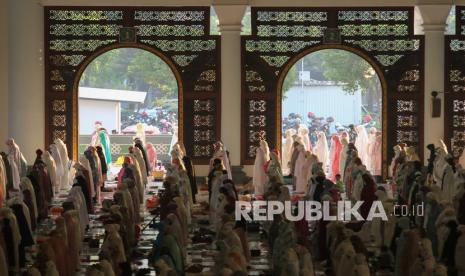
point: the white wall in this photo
(95, 110)
(3, 73)
(324, 101)
(26, 75)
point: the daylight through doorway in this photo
(128, 93)
(332, 98)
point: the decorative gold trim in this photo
(367, 58)
(95, 54)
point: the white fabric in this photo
(301, 170)
(177, 152)
(343, 157)
(174, 140)
(361, 143)
(184, 215)
(79, 201)
(185, 188)
(358, 182)
(140, 132)
(85, 163)
(221, 153)
(14, 153)
(52, 170)
(14, 172)
(371, 149)
(260, 177)
(64, 162)
(55, 152)
(214, 196)
(449, 189)
(322, 150)
(303, 133)
(307, 170)
(375, 155)
(138, 178)
(287, 150)
(140, 160)
(440, 164)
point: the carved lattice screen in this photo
(454, 112)
(76, 35)
(280, 36)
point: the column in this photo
(434, 24)
(26, 76)
(3, 73)
(230, 18)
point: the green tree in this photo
(352, 71)
(289, 80)
(134, 70)
(355, 74)
(349, 70)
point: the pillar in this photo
(26, 75)
(3, 73)
(230, 18)
(434, 25)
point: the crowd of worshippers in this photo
(330, 153)
(27, 199)
(433, 244)
(430, 242)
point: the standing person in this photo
(260, 178)
(287, 150)
(152, 156)
(273, 167)
(14, 159)
(335, 156)
(321, 149)
(343, 157)
(303, 133)
(101, 137)
(140, 145)
(217, 170)
(103, 162)
(361, 143)
(220, 152)
(190, 170)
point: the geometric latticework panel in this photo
(454, 98)
(454, 113)
(180, 36)
(383, 36)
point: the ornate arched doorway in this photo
(383, 36)
(162, 149)
(74, 36)
(378, 73)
